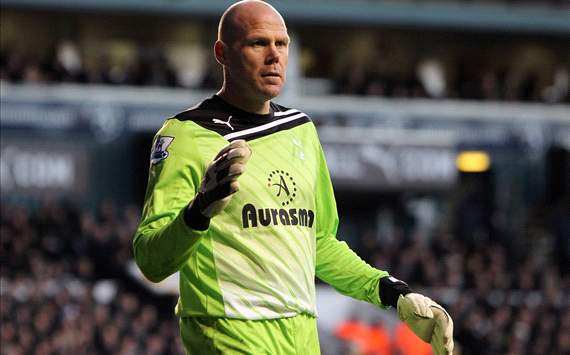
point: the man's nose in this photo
(273, 55)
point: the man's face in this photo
(256, 58)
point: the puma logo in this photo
(227, 123)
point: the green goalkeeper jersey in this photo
(259, 257)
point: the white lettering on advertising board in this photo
(27, 169)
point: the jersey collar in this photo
(243, 116)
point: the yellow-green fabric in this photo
(282, 336)
(259, 257)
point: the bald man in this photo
(240, 203)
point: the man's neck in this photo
(243, 103)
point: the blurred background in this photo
(446, 126)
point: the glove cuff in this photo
(390, 289)
(193, 217)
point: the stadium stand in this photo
(465, 78)
(66, 290)
(57, 297)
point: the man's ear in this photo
(220, 52)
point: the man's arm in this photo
(164, 241)
(346, 272)
(341, 268)
(336, 263)
(176, 213)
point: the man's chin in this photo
(271, 91)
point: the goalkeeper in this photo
(240, 203)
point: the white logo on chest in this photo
(227, 123)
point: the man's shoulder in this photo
(210, 114)
(287, 117)
(204, 111)
(280, 110)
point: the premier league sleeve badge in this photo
(160, 149)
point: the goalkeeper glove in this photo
(218, 185)
(427, 319)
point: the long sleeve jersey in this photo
(259, 257)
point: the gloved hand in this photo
(218, 185)
(428, 320)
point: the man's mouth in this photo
(271, 74)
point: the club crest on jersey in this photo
(160, 149)
(298, 149)
(283, 185)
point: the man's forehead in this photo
(265, 19)
(264, 29)
(246, 17)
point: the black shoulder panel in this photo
(233, 123)
(207, 114)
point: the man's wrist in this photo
(194, 218)
(390, 289)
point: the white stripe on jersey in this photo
(265, 126)
(251, 306)
(285, 113)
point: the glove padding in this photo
(220, 181)
(428, 320)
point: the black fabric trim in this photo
(215, 107)
(282, 127)
(390, 290)
(194, 218)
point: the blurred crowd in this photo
(508, 2)
(429, 81)
(64, 64)
(517, 2)
(500, 304)
(65, 290)
(468, 78)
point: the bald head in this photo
(239, 17)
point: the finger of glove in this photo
(217, 206)
(241, 147)
(210, 172)
(224, 165)
(221, 191)
(442, 339)
(231, 173)
(422, 327)
(217, 165)
(418, 304)
(240, 155)
(235, 170)
(219, 169)
(410, 312)
(238, 143)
